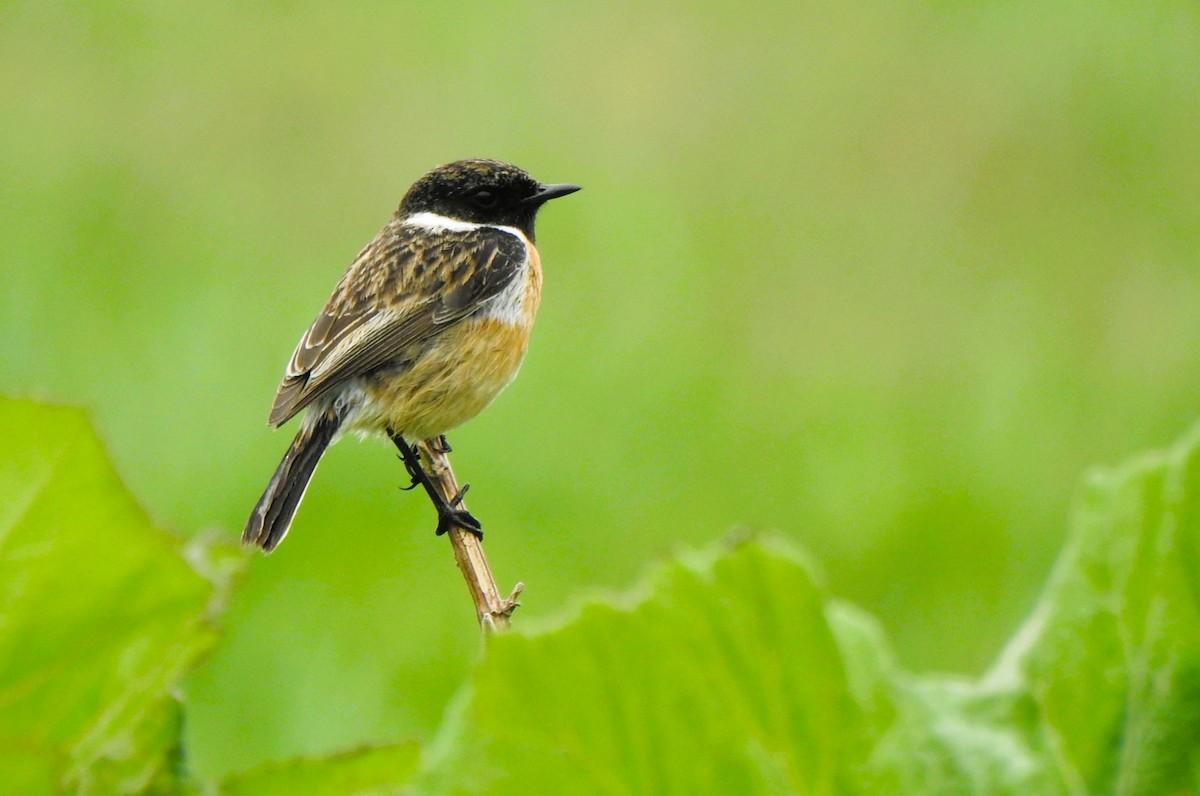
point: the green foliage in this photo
(725, 679)
(1111, 656)
(372, 771)
(100, 615)
(727, 671)
(737, 674)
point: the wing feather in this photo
(406, 286)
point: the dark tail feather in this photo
(271, 518)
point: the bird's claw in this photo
(412, 473)
(458, 518)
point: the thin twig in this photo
(492, 610)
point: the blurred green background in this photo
(885, 277)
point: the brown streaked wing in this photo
(403, 289)
(325, 332)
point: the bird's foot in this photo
(452, 515)
(414, 472)
(458, 518)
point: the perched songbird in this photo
(425, 328)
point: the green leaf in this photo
(733, 672)
(360, 772)
(100, 615)
(1111, 656)
(729, 677)
(712, 685)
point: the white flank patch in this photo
(508, 306)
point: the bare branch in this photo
(492, 610)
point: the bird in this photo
(428, 325)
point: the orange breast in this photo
(458, 375)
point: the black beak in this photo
(547, 192)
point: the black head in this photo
(482, 191)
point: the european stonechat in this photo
(426, 327)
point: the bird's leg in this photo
(413, 466)
(450, 513)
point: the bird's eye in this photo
(485, 199)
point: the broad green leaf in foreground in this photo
(360, 772)
(734, 675)
(733, 672)
(1110, 658)
(100, 614)
(725, 680)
